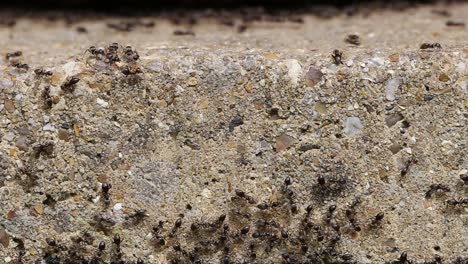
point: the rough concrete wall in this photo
(310, 159)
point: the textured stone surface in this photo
(222, 111)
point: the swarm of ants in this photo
(125, 59)
(250, 231)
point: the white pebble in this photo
(392, 86)
(48, 127)
(353, 126)
(294, 70)
(102, 103)
(118, 206)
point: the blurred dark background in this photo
(113, 5)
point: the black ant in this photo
(21, 66)
(105, 193)
(207, 225)
(378, 218)
(47, 98)
(130, 54)
(42, 72)
(137, 215)
(244, 196)
(131, 70)
(459, 201)
(95, 51)
(353, 39)
(430, 46)
(184, 32)
(69, 85)
(10, 55)
(436, 188)
(337, 57)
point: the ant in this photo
(353, 39)
(21, 66)
(137, 215)
(130, 54)
(42, 72)
(184, 32)
(10, 55)
(244, 196)
(69, 85)
(459, 201)
(436, 188)
(195, 226)
(105, 193)
(47, 98)
(157, 231)
(337, 57)
(131, 70)
(96, 51)
(430, 46)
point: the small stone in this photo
(39, 208)
(5, 82)
(395, 148)
(206, 193)
(349, 63)
(321, 108)
(76, 130)
(4, 238)
(9, 105)
(392, 86)
(283, 142)
(394, 57)
(428, 97)
(313, 77)
(9, 136)
(353, 126)
(294, 70)
(102, 103)
(192, 81)
(248, 87)
(22, 143)
(235, 122)
(392, 119)
(10, 215)
(63, 134)
(443, 77)
(118, 207)
(48, 127)
(271, 56)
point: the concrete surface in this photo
(222, 111)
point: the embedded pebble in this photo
(294, 70)
(118, 207)
(391, 88)
(48, 127)
(313, 77)
(102, 103)
(352, 126)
